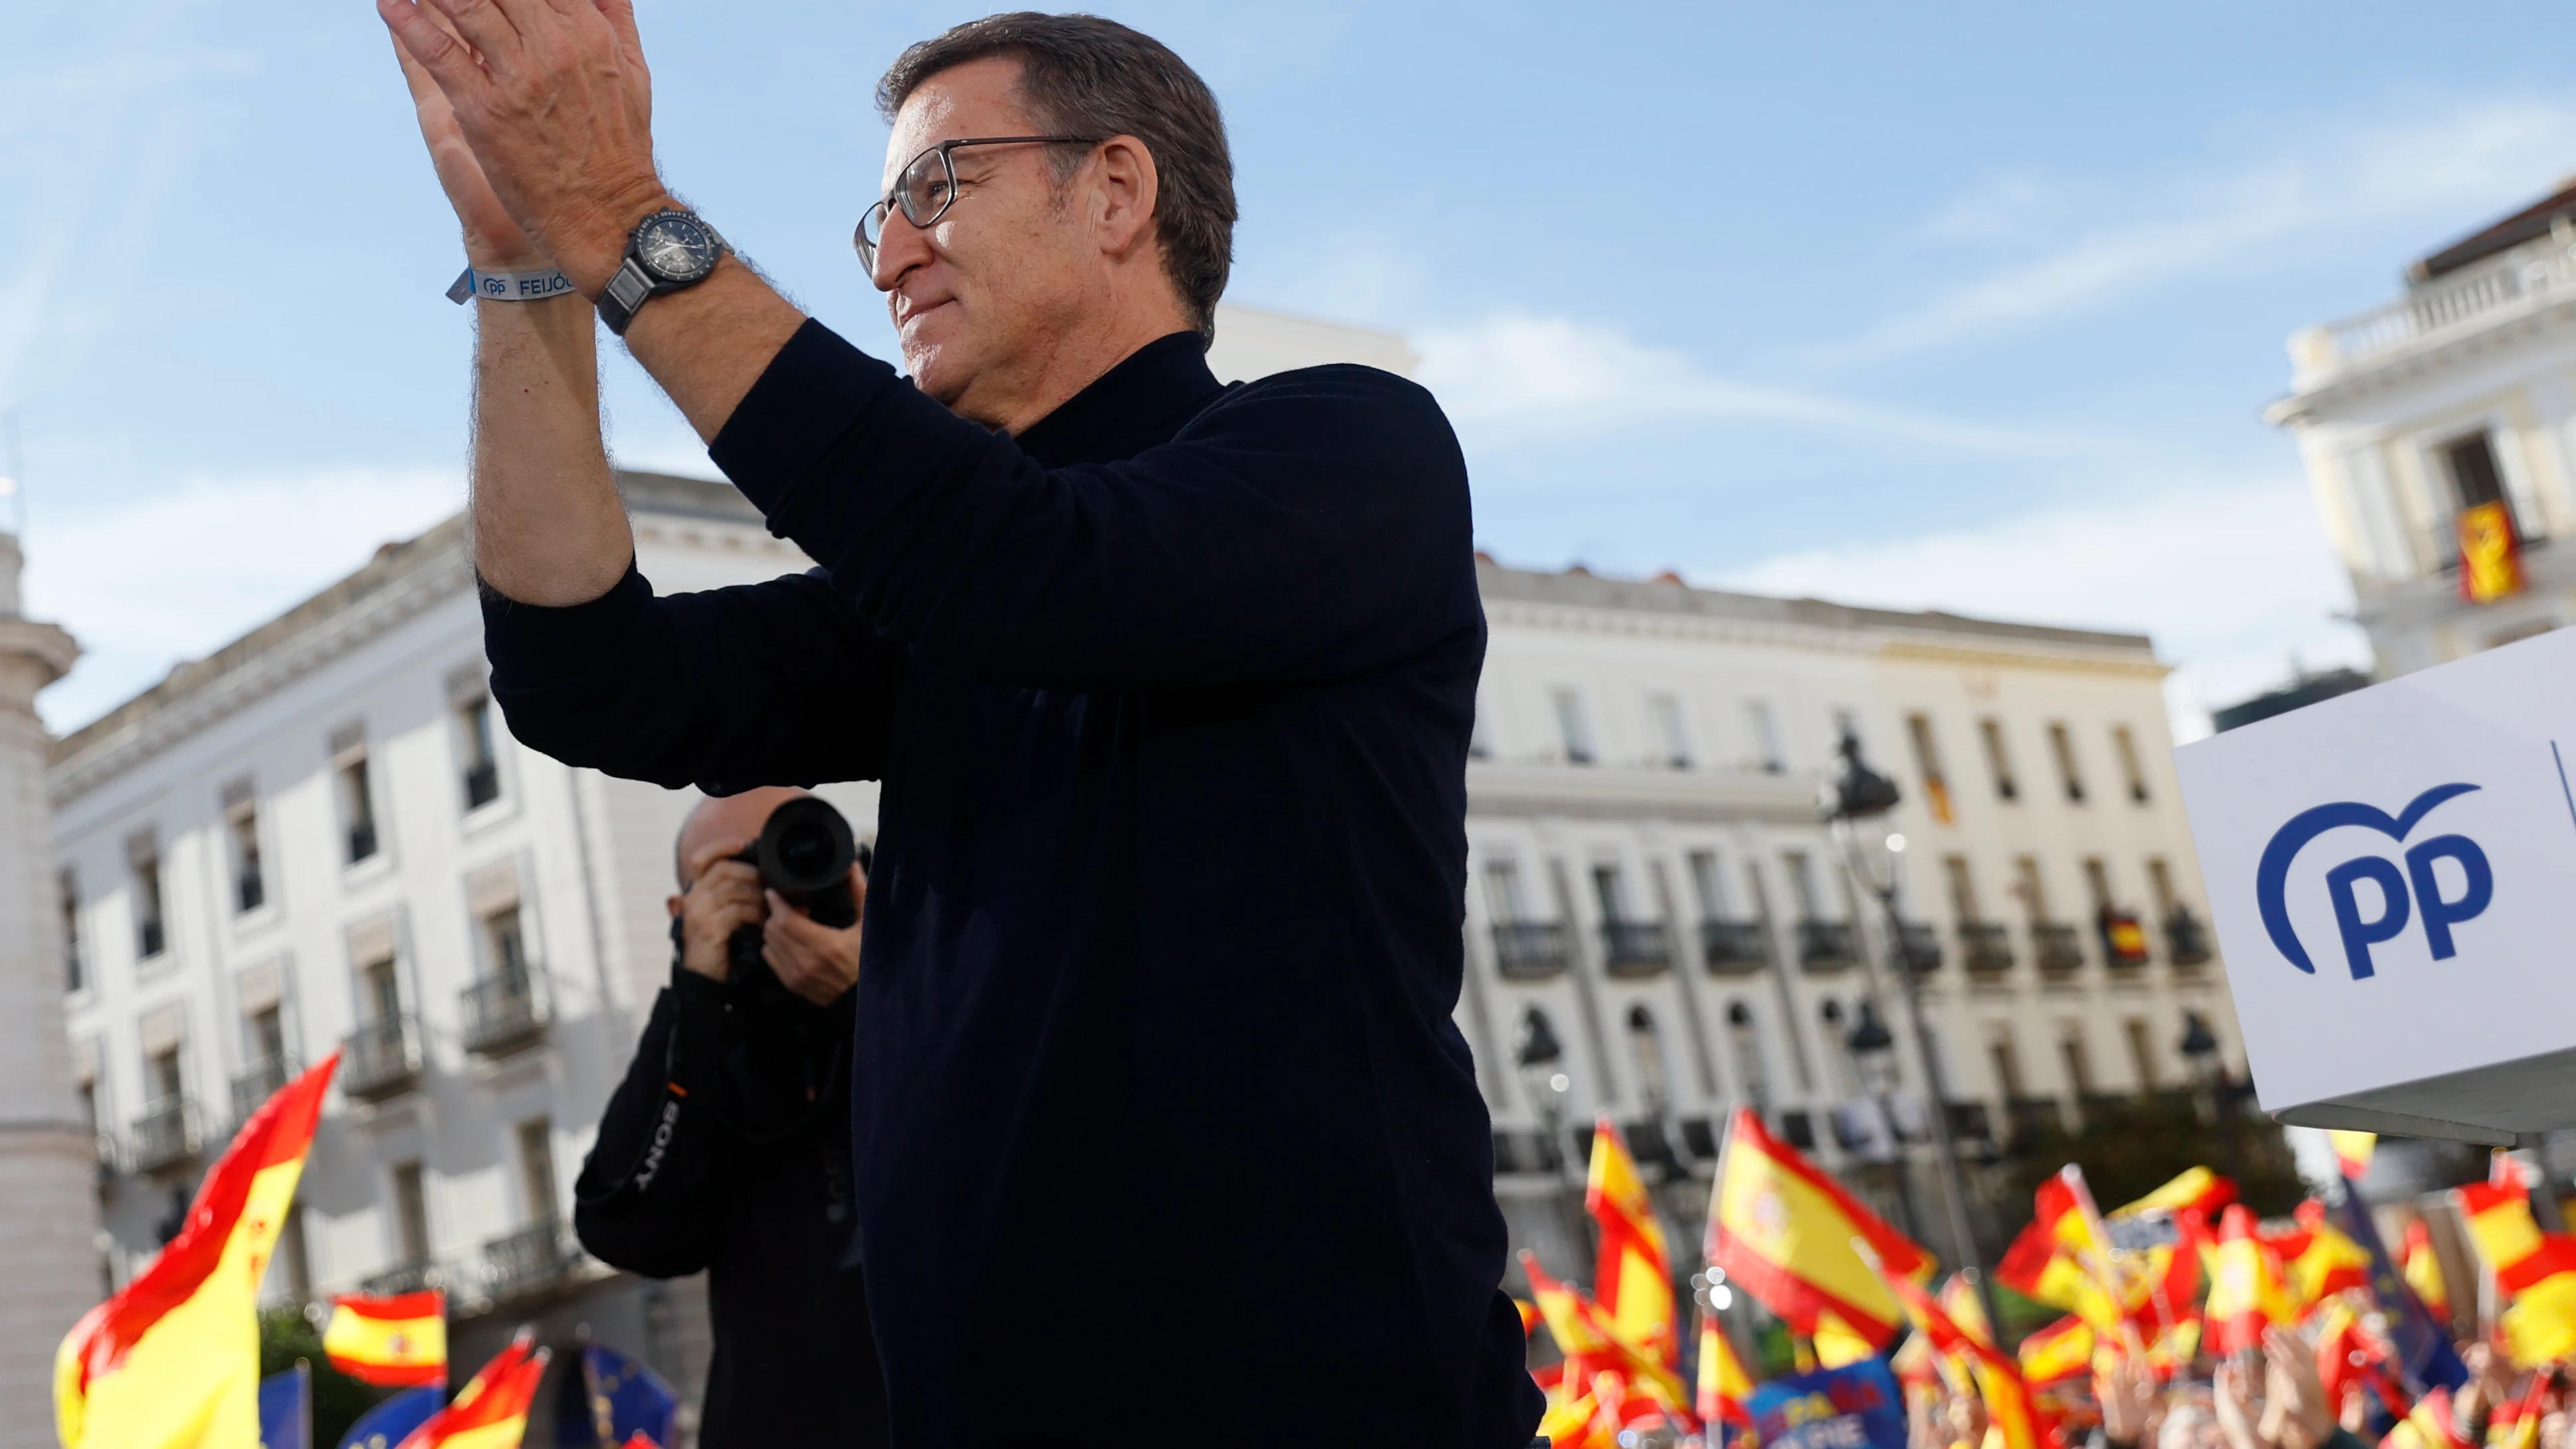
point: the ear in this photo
(1124, 187)
(674, 903)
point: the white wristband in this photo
(508, 286)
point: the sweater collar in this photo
(1140, 403)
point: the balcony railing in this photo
(1986, 946)
(1634, 948)
(1734, 948)
(1825, 946)
(1970, 1122)
(380, 1058)
(165, 1136)
(409, 1276)
(2058, 948)
(1529, 948)
(1921, 947)
(2516, 282)
(2186, 939)
(530, 1260)
(2033, 1114)
(259, 1082)
(503, 1013)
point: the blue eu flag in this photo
(2425, 1358)
(626, 1398)
(391, 1422)
(286, 1409)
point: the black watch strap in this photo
(624, 293)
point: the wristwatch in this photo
(665, 252)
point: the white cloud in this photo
(2459, 162)
(1518, 378)
(173, 575)
(2232, 582)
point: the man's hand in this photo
(724, 896)
(2237, 1406)
(492, 239)
(554, 102)
(812, 959)
(2127, 1395)
(2295, 1413)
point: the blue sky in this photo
(1971, 306)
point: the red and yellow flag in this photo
(2327, 1263)
(2490, 554)
(1592, 1345)
(2058, 1259)
(401, 1340)
(2423, 1269)
(2012, 1415)
(491, 1411)
(1723, 1383)
(1783, 1232)
(2508, 1241)
(2062, 1350)
(2353, 1152)
(1633, 1278)
(2193, 1190)
(2245, 1293)
(172, 1359)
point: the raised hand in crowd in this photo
(2490, 1384)
(2238, 1406)
(2295, 1412)
(2130, 1404)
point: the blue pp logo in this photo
(2410, 894)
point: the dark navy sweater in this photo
(1163, 1130)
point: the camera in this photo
(804, 853)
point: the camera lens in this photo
(805, 847)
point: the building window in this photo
(2030, 886)
(1572, 728)
(1927, 763)
(163, 1081)
(1480, 736)
(2142, 1052)
(380, 990)
(2475, 478)
(1963, 890)
(1503, 893)
(68, 889)
(1708, 885)
(2160, 886)
(536, 1140)
(1990, 731)
(504, 944)
(411, 1215)
(482, 762)
(2005, 1060)
(2061, 746)
(2097, 884)
(1648, 1047)
(241, 835)
(294, 1258)
(1802, 883)
(2079, 1063)
(1766, 737)
(1746, 1038)
(143, 859)
(1670, 731)
(267, 1027)
(1610, 893)
(2124, 743)
(354, 788)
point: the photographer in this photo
(727, 1147)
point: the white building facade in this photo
(2462, 392)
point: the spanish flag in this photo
(2193, 1190)
(2353, 1151)
(2511, 1243)
(1593, 1346)
(2062, 1350)
(397, 1341)
(2060, 1257)
(172, 1360)
(2245, 1293)
(491, 1411)
(1633, 1278)
(1723, 1383)
(2423, 1270)
(1783, 1232)
(2326, 1264)
(2013, 1418)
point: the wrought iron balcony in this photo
(1734, 948)
(530, 1260)
(1987, 946)
(503, 1013)
(1634, 948)
(2186, 939)
(1529, 948)
(2058, 947)
(260, 1081)
(409, 1276)
(1922, 948)
(1825, 946)
(381, 1058)
(165, 1136)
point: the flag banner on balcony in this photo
(391, 1422)
(1633, 1277)
(1782, 1229)
(1853, 1407)
(395, 1341)
(286, 1409)
(2124, 938)
(173, 1357)
(2490, 554)
(491, 1411)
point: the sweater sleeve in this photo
(776, 683)
(646, 1198)
(1309, 526)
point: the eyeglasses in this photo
(928, 187)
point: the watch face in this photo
(675, 248)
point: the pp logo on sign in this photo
(2416, 881)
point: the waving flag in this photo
(286, 1409)
(173, 1358)
(2424, 1269)
(2327, 1263)
(1592, 1346)
(396, 1341)
(1783, 1232)
(2245, 1293)
(2507, 1239)
(2062, 1350)
(626, 1398)
(2353, 1152)
(2060, 1258)
(1723, 1383)
(1634, 1277)
(491, 1411)
(391, 1422)
(2011, 1413)
(2195, 1189)
(2425, 1357)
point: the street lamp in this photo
(1862, 794)
(2199, 1047)
(1873, 1050)
(1543, 1079)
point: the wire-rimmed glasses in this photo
(927, 187)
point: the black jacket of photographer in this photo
(726, 1149)
(1158, 1095)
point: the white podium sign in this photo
(2392, 875)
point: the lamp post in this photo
(1543, 1080)
(1873, 1050)
(1858, 794)
(2199, 1047)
